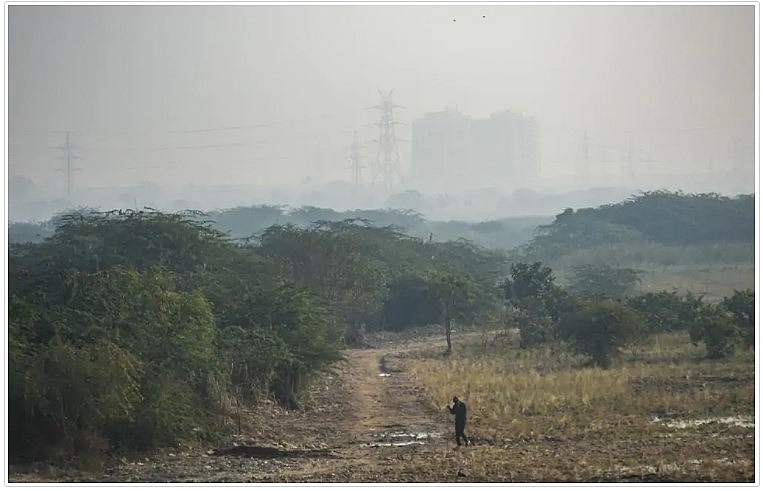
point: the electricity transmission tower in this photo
(387, 155)
(68, 169)
(355, 156)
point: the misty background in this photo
(210, 107)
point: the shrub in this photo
(598, 327)
(536, 303)
(666, 312)
(81, 390)
(716, 328)
(742, 306)
(534, 323)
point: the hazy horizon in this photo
(266, 99)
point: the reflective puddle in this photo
(390, 444)
(400, 439)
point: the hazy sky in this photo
(257, 94)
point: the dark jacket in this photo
(459, 409)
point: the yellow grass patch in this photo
(514, 393)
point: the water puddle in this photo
(401, 434)
(400, 439)
(391, 444)
(741, 421)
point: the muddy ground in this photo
(369, 422)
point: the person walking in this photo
(459, 409)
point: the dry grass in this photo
(609, 422)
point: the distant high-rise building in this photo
(450, 147)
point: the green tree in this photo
(537, 303)
(329, 260)
(742, 306)
(536, 325)
(305, 323)
(411, 302)
(455, 295)
(714, 326)
(172, 334)
(82, 389)
(598, 327)
(528, 280)
(667, 311)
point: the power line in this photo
(186, 131)
(261, 141)
(673, 130)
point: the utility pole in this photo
(387, 155)
(355, 159)
(68, 169)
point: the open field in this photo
(661, 414)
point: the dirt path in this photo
(367, 423)
(385, 422)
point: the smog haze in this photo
(210, 106)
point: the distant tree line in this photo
(656, 217)
(659, 217)
(247, 221)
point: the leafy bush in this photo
(667, 312)
(82, 389)
(742, 306)
(598, 327)
(713, 325)
(717, 330)
(310, 330)
(411, 302)
(535, 324)
(255, 357)
(528, 280)
(537, 303)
